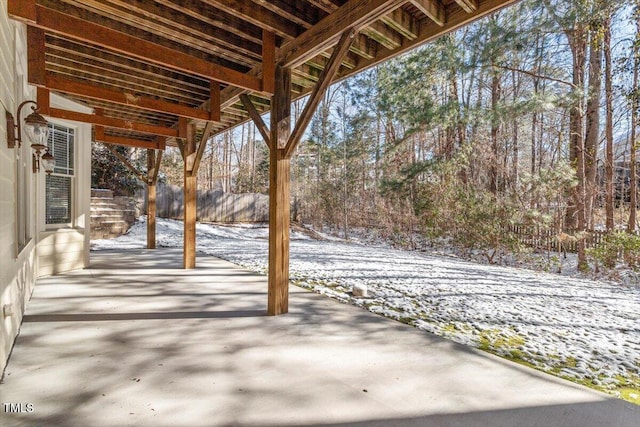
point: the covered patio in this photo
(138, 340)
(176, 73)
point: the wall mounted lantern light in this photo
(37, 130)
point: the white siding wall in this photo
(55, 250)
(17, 271)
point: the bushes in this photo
(615, 247)
(448, 207)
(108, 172)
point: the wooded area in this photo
(524, 118)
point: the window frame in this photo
(72, 176)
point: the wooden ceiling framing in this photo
(147, 67)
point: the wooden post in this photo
(151, 199)
(190, 199)
(279, 177)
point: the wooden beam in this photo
(318, 92)
(36, 72)
(206, 134)
(403, 22)
(256, 15)
(279, 193)
(126, 162)
(353, 14)
(190, 201)
(456, 18)
(168, 20)
(433, 9)
(22, 10)
(320, 37)
(383, 35)
(151, 199)
(85, 31)
(326, 34)
(63, 85)
(214, 101)
(398, 19)
(363, 47)
(257, 118)
(110, 122)
(99, 136)
(268, 61)
(229, 22)
(131, 142)
(469, 6)
(180, 145)
(156, 172)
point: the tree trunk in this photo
(576, 217)
(592, 134)
(633, 199)
(515, 154)
(609, 127)
(495, 127)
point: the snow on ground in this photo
(586, 331)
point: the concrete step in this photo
(98, 221)
(108, 209)
(104, 202)
(101, 193)
(118, 227)
(110, 216)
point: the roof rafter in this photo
(323, 35)
(69, 26)
(469, 6)
(257, 15)
(100, 136)
(124, 98)
(112, 122)
(433, 9)
(231, 43)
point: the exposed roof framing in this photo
(143, 66)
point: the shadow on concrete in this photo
(86, 317)
(143, 349)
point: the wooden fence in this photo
(551, 240)
(213, 206)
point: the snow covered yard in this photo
(585, 331)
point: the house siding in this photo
(47, 251)
(17, 270)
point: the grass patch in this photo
(493, 340)
(630, 394)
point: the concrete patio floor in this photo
(135, 340)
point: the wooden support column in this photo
(190, 199)
(279, 177)
(281, 146)
(151, 199)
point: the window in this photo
(59, 185)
